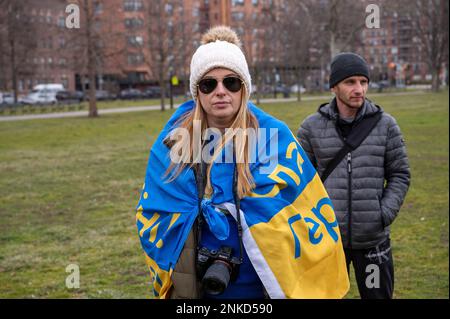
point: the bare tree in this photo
(160, 41)
(18, 42)
(185, 37)
(430, 20)
(95, 44)
(296, 24)
(264, 57)
(344, 21)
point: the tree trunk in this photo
(14, 70)
(92, 98)
(258, 86)
(91, 63)
(435, 81)
(186, 86)
(163, 91)
(333, 48)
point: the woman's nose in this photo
(220, 89)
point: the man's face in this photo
(351, 92)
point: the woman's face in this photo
(221, 105)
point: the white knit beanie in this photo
(220, 50)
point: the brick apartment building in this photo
(124, 34)
(393, 52)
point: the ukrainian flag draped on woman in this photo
(291, 234)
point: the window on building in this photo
(134, 23)
(65, 81)
(50, 43)
(135, 58)
(237, 2)
(136, 41)
(61, 22)
(98, 7)
(132, 5)
(97, 25)
(62, 42)
(169, 9)
(237, 16)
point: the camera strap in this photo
(237, 202)
(200, 174)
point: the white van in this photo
(43, 94)
(6, 98)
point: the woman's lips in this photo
(221, 104)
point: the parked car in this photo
(6, 98)
(80, 95)
(66, 96)
(379, 86)
(102, 95)
(374, 85)
(129, 94)
(42, 94)
(294, 89)
(264, 89)
(154, 92)
(282, 89)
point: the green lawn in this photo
(68, 188)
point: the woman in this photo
(213, 219)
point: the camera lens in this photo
(216, 278)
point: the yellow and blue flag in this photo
(290, 231)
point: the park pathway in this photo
(8, 118)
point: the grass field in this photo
(68, 188)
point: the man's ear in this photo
(333, 89)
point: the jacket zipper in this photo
(349, 170)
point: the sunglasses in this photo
(231, 83)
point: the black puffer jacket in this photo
(368, 198)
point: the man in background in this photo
(367, 182)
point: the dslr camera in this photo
(217, 268)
